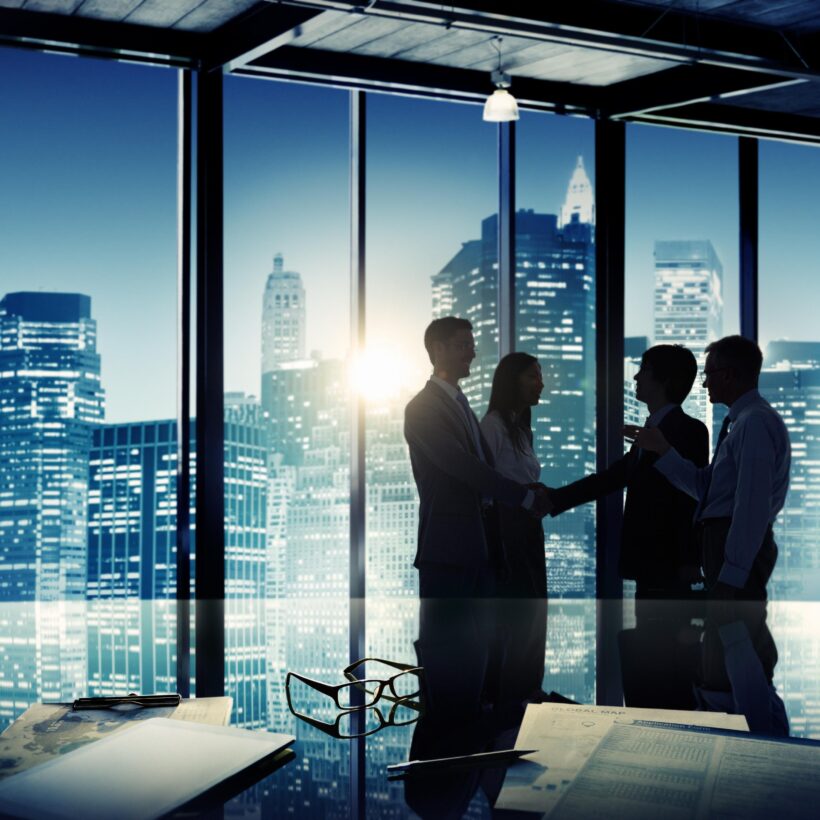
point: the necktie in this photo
(724, 431)
(471, 423)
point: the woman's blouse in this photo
(521, 466)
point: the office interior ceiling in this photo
(742, 66)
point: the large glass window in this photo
(287, 413)
(431, 252)
(88, 397)
(555, 322)
(790, 340)
(681, 251)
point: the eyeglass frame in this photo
(332, 690)
(388, 682)
(705, 374)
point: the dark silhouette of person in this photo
(473, 700)
(657, 549)
(517, 386)
(460, 551)
(744, 488)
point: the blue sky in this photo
(88, 204)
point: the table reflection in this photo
(484, 662)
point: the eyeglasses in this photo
(352, 723)
(406, 683)
(706, 373)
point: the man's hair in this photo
(739, 354)
(442, 330)
(675, 367)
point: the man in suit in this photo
(460, 551)
(657, 548)
(741, 492)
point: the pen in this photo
(480, 759)
(169, 699)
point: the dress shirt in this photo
(521, 466)
(472, 424)
(747, 481)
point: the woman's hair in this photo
(505, 397)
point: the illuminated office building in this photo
(50, 401)
(132, 556)
(689, 308)
(790, 381)
(283, 317)
(555, 315)
(635, 412)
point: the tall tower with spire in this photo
(283, 317)
(579, 204)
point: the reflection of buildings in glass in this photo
(132, 554)
(50, 397)
(42, 654)
(555, 313)
(283, 317)
(689, 308)
(570, 658)
(311, 638)
(790, 381)
(797, 674)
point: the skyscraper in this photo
(555, 321)
(283, 317)
(132, 557)
(50, 401)
(689, 306)
(790, 381)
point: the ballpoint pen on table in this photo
(168, 699)
(460, 761)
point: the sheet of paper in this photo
(644, 772)
(566, 735)
(213, 711)
(137, 774)
(46, 730)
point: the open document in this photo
(566, 736)
(643, 772)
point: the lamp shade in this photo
(500, 106)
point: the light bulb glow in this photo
(501, 106)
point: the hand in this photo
(542, 505)
(647, 438)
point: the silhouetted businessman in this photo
(460, 552)
(744, 488)
(656, 541)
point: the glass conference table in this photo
(483, 662)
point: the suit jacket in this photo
(452, 480)
(656, 540)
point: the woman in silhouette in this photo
(517, 386)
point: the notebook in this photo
(138, 773)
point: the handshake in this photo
(541, 505)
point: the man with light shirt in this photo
(744, 488)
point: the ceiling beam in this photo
(99, 38)
(684, 85)
(740, 121)
(378, 73)
(602, 24)
(263, 29)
